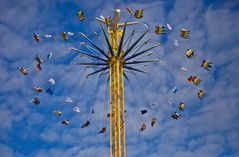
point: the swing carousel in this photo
(127, 48)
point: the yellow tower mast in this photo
(116, 70)
(117, 121)
(116, 62)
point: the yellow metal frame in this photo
(117, 122)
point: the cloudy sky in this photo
(207, 128)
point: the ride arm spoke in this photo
(135, 43)
(121, 40)
(134, 69)
(139, 62)
(87, 54)
(142, 52)
(107, 40)
(100, 50)
(97, 71)
(96, 64)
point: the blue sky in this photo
(208, 128)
